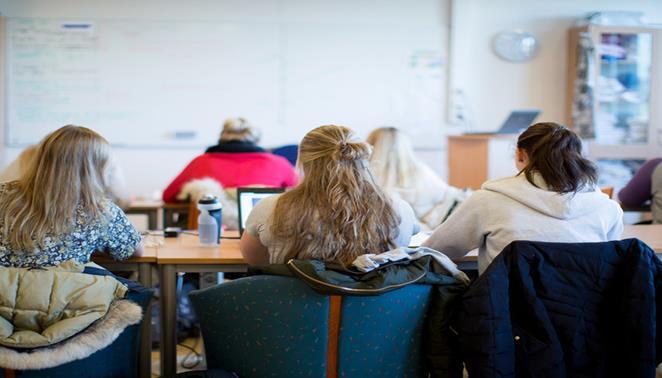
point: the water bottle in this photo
(209, 220)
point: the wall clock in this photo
(515, 45)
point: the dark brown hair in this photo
(555, 152)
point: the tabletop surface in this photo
(145, 205)
(186, 249)
(650, 234)
(149, 256)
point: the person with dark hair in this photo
(554, 198)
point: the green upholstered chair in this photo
(277, 326)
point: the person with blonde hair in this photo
(59, 208)
(16, 168)
(336, 213)
(237, 134)
(234, 162)
(114, 177)
(401, 173)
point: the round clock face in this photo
(515, 45)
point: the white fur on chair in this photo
(198, 188)
(99, 335)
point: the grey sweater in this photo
(511, 209)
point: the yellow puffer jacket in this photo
(40, 307)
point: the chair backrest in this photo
(289, 152)
(192, 217)
(608, 190)
(277, 326)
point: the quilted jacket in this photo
(564, 310)
(40, 307)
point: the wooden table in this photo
(650, 234)
(185, 254)
(153, 210)
(143, 266)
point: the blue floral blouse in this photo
(116, 236)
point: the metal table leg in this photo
(168, 301)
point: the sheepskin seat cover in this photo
(40, 307)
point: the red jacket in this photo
(233, 170)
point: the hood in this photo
(553, 204)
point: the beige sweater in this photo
(511, 209)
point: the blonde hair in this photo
(66, 173)
(25, 157)
(238, 129)
(393, 161)
(337, 212)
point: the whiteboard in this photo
(171, 83)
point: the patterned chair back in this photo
(277, 326)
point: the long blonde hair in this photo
(240, 130)
(337, 212)
(393, 161)
(66, 172)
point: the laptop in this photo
(516, 122)
(247, 198)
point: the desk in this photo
(474, 159)
(143, 265)
(150, 208)
(173, 213)
(185, 254)
(650, 234)
(637, 209)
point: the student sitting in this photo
(336, 213)
(16, 168)
(235, 161)
(646, 185)
(553, 198)
(113, 180)
(59, 210)
(401, 174)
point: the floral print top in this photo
(114, 235)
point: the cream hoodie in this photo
(511, 209)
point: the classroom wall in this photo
(492, 87)
(150, 170)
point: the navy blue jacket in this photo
(564, 310)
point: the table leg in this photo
(145, 366)
(168, 300)
(145, 359)
(145, 274)
(152, 216)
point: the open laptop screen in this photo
(247, 198)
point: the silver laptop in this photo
(516, 122)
